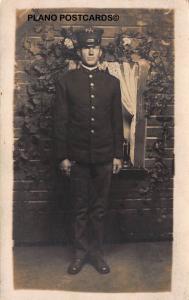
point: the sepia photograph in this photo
(93, 175)
(93, 150)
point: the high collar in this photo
(89, 69)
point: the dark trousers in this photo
(90, 186)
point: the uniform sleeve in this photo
(61, 120)
(117, 122)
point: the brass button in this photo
(92, 131)
(90, 76)
(92, 96)
(91, 84)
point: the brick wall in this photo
(41, 214)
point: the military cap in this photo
(89, 37)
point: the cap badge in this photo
(89, 29)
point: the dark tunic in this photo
(88, 125)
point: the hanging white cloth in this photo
(128, 77)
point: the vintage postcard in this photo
(94, 164)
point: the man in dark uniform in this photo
(89, 142)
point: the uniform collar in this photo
(89, 69)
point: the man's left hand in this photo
(117, 165)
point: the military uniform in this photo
(88, 132)
(88, 117)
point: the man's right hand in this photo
(65, 166)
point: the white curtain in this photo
(128, 76)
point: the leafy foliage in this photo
(158, 93)
(50, 56)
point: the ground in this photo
(135, 267)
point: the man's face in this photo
(90, 56)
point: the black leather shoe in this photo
(75, 266)
(100, 265)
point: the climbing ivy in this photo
(158, 94)
(50, 56)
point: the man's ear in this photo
(101, 55)
(100, 52)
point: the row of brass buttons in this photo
(92, 106)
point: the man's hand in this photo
(65, 166)
(117, 165)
